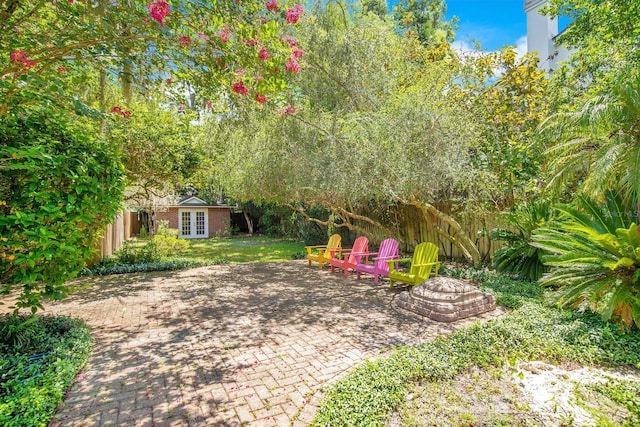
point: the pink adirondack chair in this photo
(350, 258)
(388, 250)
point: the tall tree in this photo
(237, 46)
(598, 146)
(425, 19)
(379, 122)
(604, 37)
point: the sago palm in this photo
(594, 258)
(518, 256)
(598, 146)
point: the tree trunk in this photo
(249, 221)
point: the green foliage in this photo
(424, 19)
(131, 253)
(518, 256)
(163, 245)
(377, 7)
(112, 41)
(598, 147)
(507, 110)
(280, 221)
(604, 35)
(113, 267)
(622, 392)
(38, 363)
(157, 148)
(369, 395)
(594, 255)
(381, 121)
(58, 188)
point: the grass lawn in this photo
(243, 249)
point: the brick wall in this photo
(170, 215)
(219, 220)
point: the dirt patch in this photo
(529, 394)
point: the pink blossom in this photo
(118, 110)
(224, 34)
(292, 42)
(208, 105)
(297, 53)
(20, 57)
(185, 41)
(288, 110)
(260, 99)
(238, 87)
(180, 107)
(202, 36)
(168, 81)
(292, 65)
(62, 69)
(159, 10)
(272, 6)
(240, 72)
(251, 42)
(263, 54)
(293, 15)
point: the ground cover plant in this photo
(39, 359)
(531, 331)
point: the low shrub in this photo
(103, 269)
(39, 359)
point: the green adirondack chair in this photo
(322, 254)
(425, 258)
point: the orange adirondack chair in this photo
(425, 258)
(388, 251)
(322, 254)
(350, 258)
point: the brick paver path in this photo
(230, 345)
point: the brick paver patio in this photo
(230, 345)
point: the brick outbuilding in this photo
(195, 219)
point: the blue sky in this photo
(494, 23)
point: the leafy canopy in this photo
(594, 256)
(58, 188)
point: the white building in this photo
(541, 36)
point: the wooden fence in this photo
(122, 228)
(412, 228)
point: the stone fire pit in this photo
(446, 299)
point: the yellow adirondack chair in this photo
(322, 254)
(425, 258)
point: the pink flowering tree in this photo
(64, 53)
(64, 63)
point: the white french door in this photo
(193, 223)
